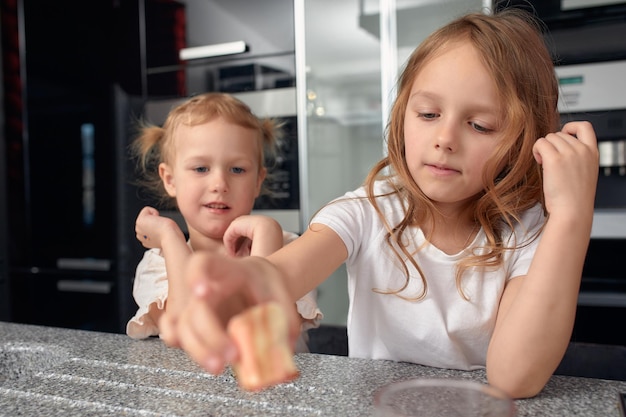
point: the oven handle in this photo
(84, 264)
(84, 286)
(601, 299)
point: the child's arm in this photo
(258, 235)
(253, 235)
(284, 276)
(537, 311)
(155, 231)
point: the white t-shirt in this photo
(150, 287)
(443, 329)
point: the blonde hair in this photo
(512, 48)
(155, 144)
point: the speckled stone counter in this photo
(62, 372)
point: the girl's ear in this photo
(167, 176)
(260, 179)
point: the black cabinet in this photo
(74, 299)
(70, 249)
(149, 34)
(60, 159)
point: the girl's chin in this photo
(213, 233)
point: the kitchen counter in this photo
(63, 372)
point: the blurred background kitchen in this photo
(77, 75)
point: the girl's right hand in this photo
(223, 287)
(151, 228)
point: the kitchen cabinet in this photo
(266, 28)
(155, 31)
(69, 258)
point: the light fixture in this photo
(210, 51)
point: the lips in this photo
(217, 206)
(442, 169)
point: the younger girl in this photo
(465, 245)
(209, 159)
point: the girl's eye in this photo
(427, 116)
(201, 169)
(238, 170)
(480, 128)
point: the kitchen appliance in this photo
(597, 92)
(579, 31)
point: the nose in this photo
(218, 182)
(447, 136)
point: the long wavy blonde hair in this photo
(511, 46)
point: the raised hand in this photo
(151, 228)
(569, 159)
(253, 235)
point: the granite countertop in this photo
(63, 372)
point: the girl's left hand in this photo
(570, 163)
(253, 235)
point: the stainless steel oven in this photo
(597, 92)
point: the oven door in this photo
(604, 272)
(602, 296)
(601, 308)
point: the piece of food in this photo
(265, 355)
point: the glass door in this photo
(344, 94)
(339, 96)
